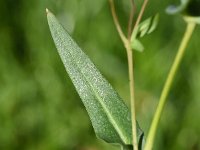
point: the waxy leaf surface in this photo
(109, 115)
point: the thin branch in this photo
(140, 14)
(130, 22)
(116, 21)
(127, 44)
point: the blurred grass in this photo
(39, 107)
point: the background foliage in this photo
(39, 107)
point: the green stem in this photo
(131, 78)
(127, 45)
(167, 86)
(132, 95)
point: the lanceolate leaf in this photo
(147, 26)
(109, 115)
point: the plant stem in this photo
(167, 86)
(127, 45)
(140, 14)
(130, 22)
(116, 21)
(132, 95)
(131, 78)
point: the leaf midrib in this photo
(110, 118)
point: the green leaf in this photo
(137, 45)
(109, 115)
(147, 26)
(144, 28)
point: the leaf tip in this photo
(47, 10)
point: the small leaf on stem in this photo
(144, 28)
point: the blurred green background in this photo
(39, 107)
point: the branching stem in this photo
(127, 44)
(167, 86)
(131, 78)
